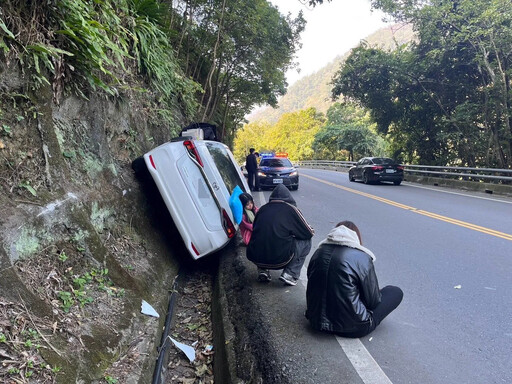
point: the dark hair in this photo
(251, 150)
(245, 198)
(352, 226)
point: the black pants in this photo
(391, 298)
(252, 180)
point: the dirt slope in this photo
(80, 247)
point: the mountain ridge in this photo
(314, 90)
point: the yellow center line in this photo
(460, 223)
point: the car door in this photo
(359, 168)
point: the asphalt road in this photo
(451, 253)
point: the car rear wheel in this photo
(365, 178)
(397, 182)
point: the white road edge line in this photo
(458, 193)
(365, 365)
(411, 184)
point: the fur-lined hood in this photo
(346, 237)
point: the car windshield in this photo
(383, 160)
(225, 165)
(275, 163)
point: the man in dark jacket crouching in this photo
(343, 294)
(281, 238)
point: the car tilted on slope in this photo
(196, 179)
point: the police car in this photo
(276, 168)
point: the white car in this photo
(196, 179)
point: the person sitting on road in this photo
(343, 293)
(248, 216)
(281, 238)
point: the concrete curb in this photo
(224, 368)
(244, 351)
(491, 188)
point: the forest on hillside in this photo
(210, 60)
(443, 98)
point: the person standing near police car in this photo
(251, 164)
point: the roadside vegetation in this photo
(443, 97)
(346, 132)
(212, 59)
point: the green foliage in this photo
(99, 44)
(110, 380)
(444, 99)
(28, 187)
(293, 133)
(348, 135)
(83, 284)
(239, 51)
(13, 371)
(249, 136)
(56, 369)
(62, 256)
(155, 57)
(232, 56)
(66, 299)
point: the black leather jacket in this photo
(342, 289)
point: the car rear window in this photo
(275, 163)
(383, 160)
(225, 165)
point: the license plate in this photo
(390, 171)
(277, 181)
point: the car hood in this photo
(278, 169)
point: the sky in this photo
(332, 29)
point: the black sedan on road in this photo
(375, 169)
(277, 170)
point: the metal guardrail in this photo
(502, 176)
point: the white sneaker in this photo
(288, 279)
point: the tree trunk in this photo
(505, 93)
(214, 62)
(183, 30)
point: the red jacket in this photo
(246, 226)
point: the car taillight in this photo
(192, 150)
(400, 167)
(377, 168)
(229, 228)
(152, 161)
(195, 249)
